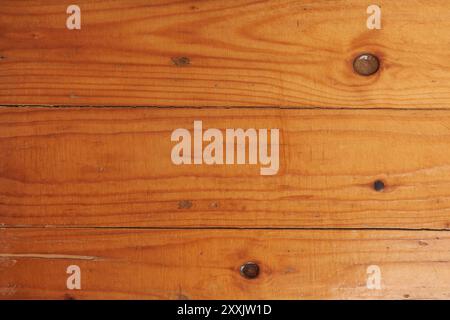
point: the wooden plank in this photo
(113, 167)
(224, 53)
(205, 264)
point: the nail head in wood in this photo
(378, 185)
(366, 64)
(250, 270)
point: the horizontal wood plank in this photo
(205, 264)
(113, 167)
(224, 53)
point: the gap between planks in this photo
(344, 229)
(223, 107)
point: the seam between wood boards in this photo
(222, 107)
(219, 228)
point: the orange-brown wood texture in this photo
(216, 53)
(204, 264)
(86, 176)
(112, 167)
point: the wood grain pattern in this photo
(204, 264)
(224, 53)
(112, 167)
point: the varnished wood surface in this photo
(112, 167)
(224, 53)
(204, 264)
(95, 187)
